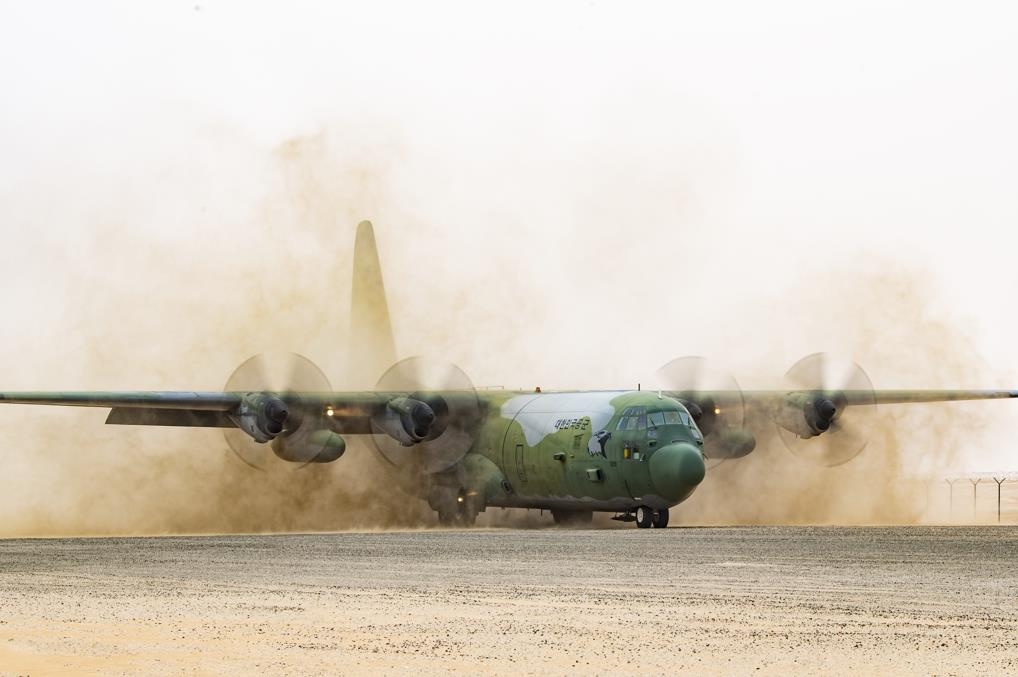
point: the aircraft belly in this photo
(616, 503)
(619, 503)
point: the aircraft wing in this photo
(354, 409)
(800, 414)
(176, 400)
(871, 397)
(351, 410)
(837, 417)
(768, 400)
(304, 426)
(363, 404)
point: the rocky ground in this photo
(923, 600)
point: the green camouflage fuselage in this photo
(609, 451)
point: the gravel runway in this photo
(915, 600)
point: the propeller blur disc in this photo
(712, 391)
(829, 375)
(449, 392)
(287, 375)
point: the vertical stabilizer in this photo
(372, 347)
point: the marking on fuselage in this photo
(545, 414)
(598, 441)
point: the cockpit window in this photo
(632, 423)
(657, 418)
(637, 418)
(633, 418)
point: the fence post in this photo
(999, 482)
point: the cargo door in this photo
(514, 458)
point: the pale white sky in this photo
(567, 193)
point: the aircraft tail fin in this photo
(372, 346)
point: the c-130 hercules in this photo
(634, 453)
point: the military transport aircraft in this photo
(635, 453)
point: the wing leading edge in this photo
(871, 397)
(187, 400)
(211, 409)
(351, 410)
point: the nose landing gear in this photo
(645, 517)
(660, 520)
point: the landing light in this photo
(459, 499)
(329, 411)
(717, 410)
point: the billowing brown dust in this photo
(181, 306)
(885, 318)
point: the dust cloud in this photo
(539, 288)
(143, 309)
(887, 316)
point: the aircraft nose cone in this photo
(675, 470)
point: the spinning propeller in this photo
(843, 431)
(715, 402)
(431, 427)
(301, 431)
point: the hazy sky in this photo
(565, 193)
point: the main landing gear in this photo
(645, 517)
(455, 508)
(457, 517)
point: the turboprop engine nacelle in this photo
(296, 436)
(262, 416)
(313, 446)
(807, 415)
(732, 443)
(407, 420)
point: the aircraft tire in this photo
(644, 517)
(461, 515)
(467, 517)
(661, 518)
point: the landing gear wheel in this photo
(460, 514)
(572, 518)
(644, 517)
(467, 516)
(661, 518)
